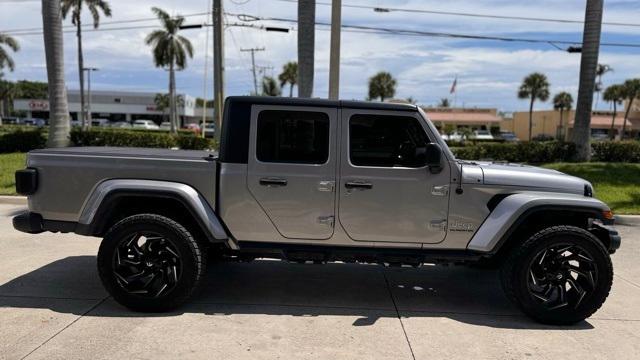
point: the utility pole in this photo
(218, 66)
(253, 66)
(204, 82)
(334, 57)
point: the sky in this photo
(488, 72)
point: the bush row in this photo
(529, 152)
(616, 151)
(133, 138)
(23, 140)
(549, 151)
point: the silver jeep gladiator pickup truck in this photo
(319, 181)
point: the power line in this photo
(392, 31)
(453, 13)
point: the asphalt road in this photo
(53, 306)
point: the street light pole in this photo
(218, 66)
(89, 70)
(334, 57)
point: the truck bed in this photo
(64, 185)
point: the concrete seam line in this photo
(66, 327)
(393, 300)
(628, 281)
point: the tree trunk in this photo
(531, 115)
(81, 114)
(291, 90)
(172, 98)
(589, 62)
(626, 116)
(560, 137)
(613, 122)
(54, 51)
(306, 46)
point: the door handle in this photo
(269, 181)
(358, 184)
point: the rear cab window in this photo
(286, 136)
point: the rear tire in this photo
(561, 275)
(150, 263)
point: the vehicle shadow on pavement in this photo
(368, 292)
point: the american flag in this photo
(453, 86)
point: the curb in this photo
(13, 200)
(630, 220)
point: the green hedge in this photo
(616, 151)
(530, 152)
(22, 140)
(137, 138)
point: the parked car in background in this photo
(482, 135)
(453, 137)
(599, 134)
(75, 122)
(145, 124)
(508, 136)
(165, 126)
(121, 125)
(209, 129)
(9, 120)
(193, 127)
(100, 122)
(34, 122)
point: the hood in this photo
(533, 178)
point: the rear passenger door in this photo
(292, 168)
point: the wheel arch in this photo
(519, 215)
(112, 200)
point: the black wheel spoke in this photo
(147, 264)
(556, 268)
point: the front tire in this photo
(150, 263)
(561, 275)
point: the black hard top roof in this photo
(276, 100)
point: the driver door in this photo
(387, 193)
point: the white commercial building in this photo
(117, 106)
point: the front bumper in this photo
(609, 235)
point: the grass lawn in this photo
(617, 184)
(9, 163)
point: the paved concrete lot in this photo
(52, 306)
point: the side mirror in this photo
(433, 154)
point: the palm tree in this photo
(631, 92)
(563, 102)
(59, 123)
(444, 103)
(5, 59)
(170, 50)
(601, 70)
(615, 95)
(270, 87)
(306, 46)
(289, 75)
(589, 61)
(534, 87)
(161, 101)
(8, 90)
(382, 85)
(75, 8)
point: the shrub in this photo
(122, 138)
(530, 152)
(192, 142)
(138, 138)
(615, 151)
(22, 140)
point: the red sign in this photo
(42, 105)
